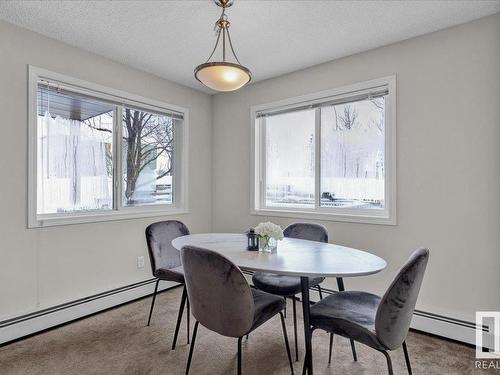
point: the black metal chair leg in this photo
(340, 285)
(407, 358)
(195, 330)
(287, 345)
(331, 347)
(179, 316)
(389, 362)
(239, 356)
(353, 348)
(153, 302)
(294, 303)
(188, 313)
(320, 292)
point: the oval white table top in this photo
(293, 257)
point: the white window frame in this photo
(386, 216)
(121, 98)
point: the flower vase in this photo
(268, 244)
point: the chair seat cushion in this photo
(280, 284)
(266, 306)
(170, 274)
(350, 314)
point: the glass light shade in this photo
(222, 76)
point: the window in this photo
(148, 152)
(328, 155)
(290, 159)
(74, 158)
(100, 154)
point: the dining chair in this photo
(382, 323)
(166, 263)
(222, 300)
(289, 286)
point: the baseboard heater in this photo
(25, 325)
(28, 324)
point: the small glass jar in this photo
(268, 244)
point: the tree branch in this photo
(164, 173)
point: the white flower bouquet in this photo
(269, 235)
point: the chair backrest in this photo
(159, 238)
(396, 307)
(307, 231)
(220, 297)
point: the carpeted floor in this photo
(119, 342)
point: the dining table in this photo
(293, 257)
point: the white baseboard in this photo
(450, 328)
(447, 329)
(25, 325)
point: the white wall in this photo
(448, 140)
(43, 267)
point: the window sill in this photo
(95, 217)
(327, 216)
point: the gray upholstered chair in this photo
(289, 286)
(222, 300)
(166, 262)
(379, 322)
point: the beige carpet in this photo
(118, 342)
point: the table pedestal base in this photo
(308, 364)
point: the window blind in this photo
(354, 96)
(64, 96)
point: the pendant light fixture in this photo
(223, 75)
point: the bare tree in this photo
(337, 127)
(146, 137)
(348, 118)
(379, 103)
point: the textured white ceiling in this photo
(169, 38)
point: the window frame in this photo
(386, 216)
(180, 186)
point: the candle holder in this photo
(252, 240)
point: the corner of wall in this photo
(212, 162)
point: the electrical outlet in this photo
(140, 262)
